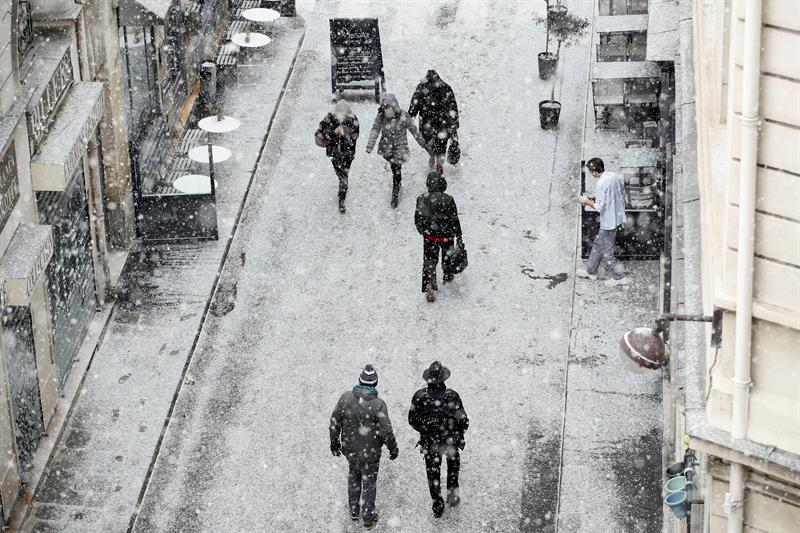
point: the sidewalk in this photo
(104, 454)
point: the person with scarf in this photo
(359, 428)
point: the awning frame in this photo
(63, 149)
(24, 262)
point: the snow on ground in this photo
(316, 295)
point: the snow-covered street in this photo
(560, 432)
(562, 437)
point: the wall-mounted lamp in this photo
(643, 349)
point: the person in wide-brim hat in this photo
(436, 373)
(439, 416)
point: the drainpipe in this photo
(744, 264)
(97, 223)
(747, 215)
(735, 507)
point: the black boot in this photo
(453, 498)
(396, 181)
(438, 508)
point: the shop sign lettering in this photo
(9, 185)
(40, 116)
(42, 259)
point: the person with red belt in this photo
(436, 218)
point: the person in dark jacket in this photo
(439, 416)
(435, 103)
(436, 218)
(391, 124)
(340, 131)
(360, 426)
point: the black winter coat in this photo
(360, 424)
(436, 214)
(435, 102)
(340, 146)
(439, 416)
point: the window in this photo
(622, 46)
(622, 7)
(625, 104)
(642, 91)
(638, 47)
(640, 187)
(141, 75)
(637, 7)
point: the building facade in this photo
(95, 96)
(66, 208)
(736, 248)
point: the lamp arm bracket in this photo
(662, 322)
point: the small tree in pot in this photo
(219, 111)
(562, 26)
(567, 29)
(547, 59)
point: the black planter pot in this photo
(548, 62)
(549, 111)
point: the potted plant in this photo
(567, 29)
(547, 59)
(219, 111)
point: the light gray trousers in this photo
(603, 248)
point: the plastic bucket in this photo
(547, 64)
(549, 111)
(677, 504)
(675, 469)
(676, 484)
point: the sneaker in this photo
(430, 296)
(354, 516)
(438, 508)
(614, 282)
(453, 499)
(372, 523)
(342, 208)
(582, 273)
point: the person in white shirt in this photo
(610, 203)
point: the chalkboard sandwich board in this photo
(356, 58)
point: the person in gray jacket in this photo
(391, 124)
(360, 426)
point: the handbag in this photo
(458, 259)
(454, 151)
(319, 138)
